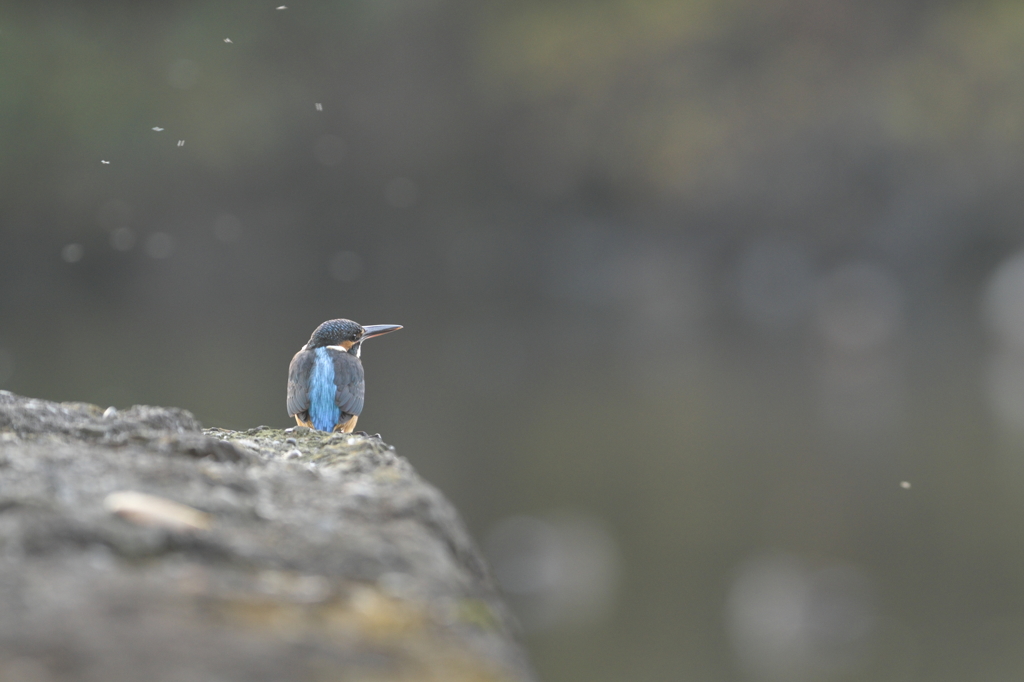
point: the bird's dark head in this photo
(346, 334)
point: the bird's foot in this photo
(364, 434)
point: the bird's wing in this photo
(298, 382)
(348, 377)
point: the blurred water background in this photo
(714, 310)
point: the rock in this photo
(134, 545)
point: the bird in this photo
(325, 378)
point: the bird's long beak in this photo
(372, 330)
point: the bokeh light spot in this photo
(790, 619)
(560, 571)
(72, 253)
(1004, 302)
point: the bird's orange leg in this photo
(349, 426)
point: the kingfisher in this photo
(325, 378)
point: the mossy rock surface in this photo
(135, 545)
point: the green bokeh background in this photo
(638, 247)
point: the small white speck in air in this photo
(227, 40)
(181, 143)
(104, 162)
(905, 485)
(283, 7)
(158, 129)
(72, 253)
(319, 107)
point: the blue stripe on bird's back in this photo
(323, 411)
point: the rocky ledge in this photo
(135, 545)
